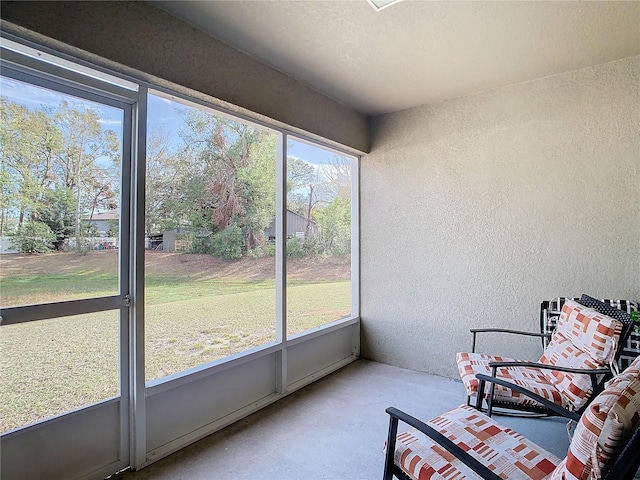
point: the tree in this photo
(334, 226)
(84, 144)
(322, 194)
(338, 176)
(334, 221)
(228, 182)
(29, 141)
(57, 166)
(303, 186)
(58, 213)
(164, 178)
(33, 237)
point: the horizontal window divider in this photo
(45, 311)
(193, 374)
(73, 82)
(63, 416)
(321, 330)
(205, 370)
(85, 72)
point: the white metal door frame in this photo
(18, 66)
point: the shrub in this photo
(265, 250)
(295, 248)
(199, 244)
(228, 243)
(34, 237)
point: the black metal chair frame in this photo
(546, 408)
(624, 468)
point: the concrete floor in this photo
(333, 429)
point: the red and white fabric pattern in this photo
(506, 452)
(603, 428)
(584, 339)
(600, 435)
(470, 364)
(592, 332)
(575, 389)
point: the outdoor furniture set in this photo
(586, 342)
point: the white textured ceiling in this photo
(418, 52)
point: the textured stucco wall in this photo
(142, 37)
(476, 209)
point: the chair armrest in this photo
(475, 331)
(494, 380)
(395, 414)
(544, 366)
(506, 330)
(528, 393)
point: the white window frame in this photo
(40, 66)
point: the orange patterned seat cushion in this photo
(600, 435)
(506, 452)
(470, 364)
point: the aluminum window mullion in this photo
(281, 262)
(137, 406)
(355, 251)
(355, 237)
(125, 279)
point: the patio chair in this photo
(465, 443)
(569, 373)
(627, 351)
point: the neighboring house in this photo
(171, 241)
(5, 245)
(296, 226)
(104, 221)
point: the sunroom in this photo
(190, 235)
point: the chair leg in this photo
(491, 393)
(391, 449)
(480, 395)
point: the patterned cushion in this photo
(633, 370)
(550, 312)
(603, 428)
(590, 331)
(605, 309)
(504, 451)
(575, 388)
(470, 364)
(584, 338)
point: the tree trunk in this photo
(307, 229)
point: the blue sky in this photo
(162, 113)
(37, 97)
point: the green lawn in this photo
(53, 366)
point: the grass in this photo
(192, 316)
(30, 289)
